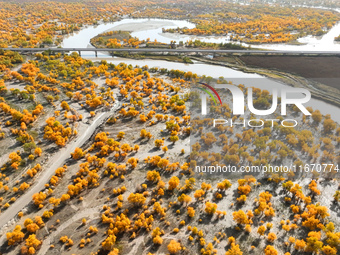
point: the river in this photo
(152, 28)
(312, 43)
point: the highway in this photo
(187, 50)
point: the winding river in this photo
(152, 28)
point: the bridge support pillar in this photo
(79, 52)
(96, 53)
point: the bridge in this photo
(187, 50)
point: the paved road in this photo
(57, 160)
(283, 52)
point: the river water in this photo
(142, 29)
(152, 28)
(312, 43)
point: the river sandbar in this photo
(141, 26)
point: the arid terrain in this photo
(100, 157)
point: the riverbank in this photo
(169, 58)
(320, 71)
(327, 103)
(324, 89)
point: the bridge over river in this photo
(188, 50)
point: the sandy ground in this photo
(93, 200)
(53, 161)
(141, 26)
